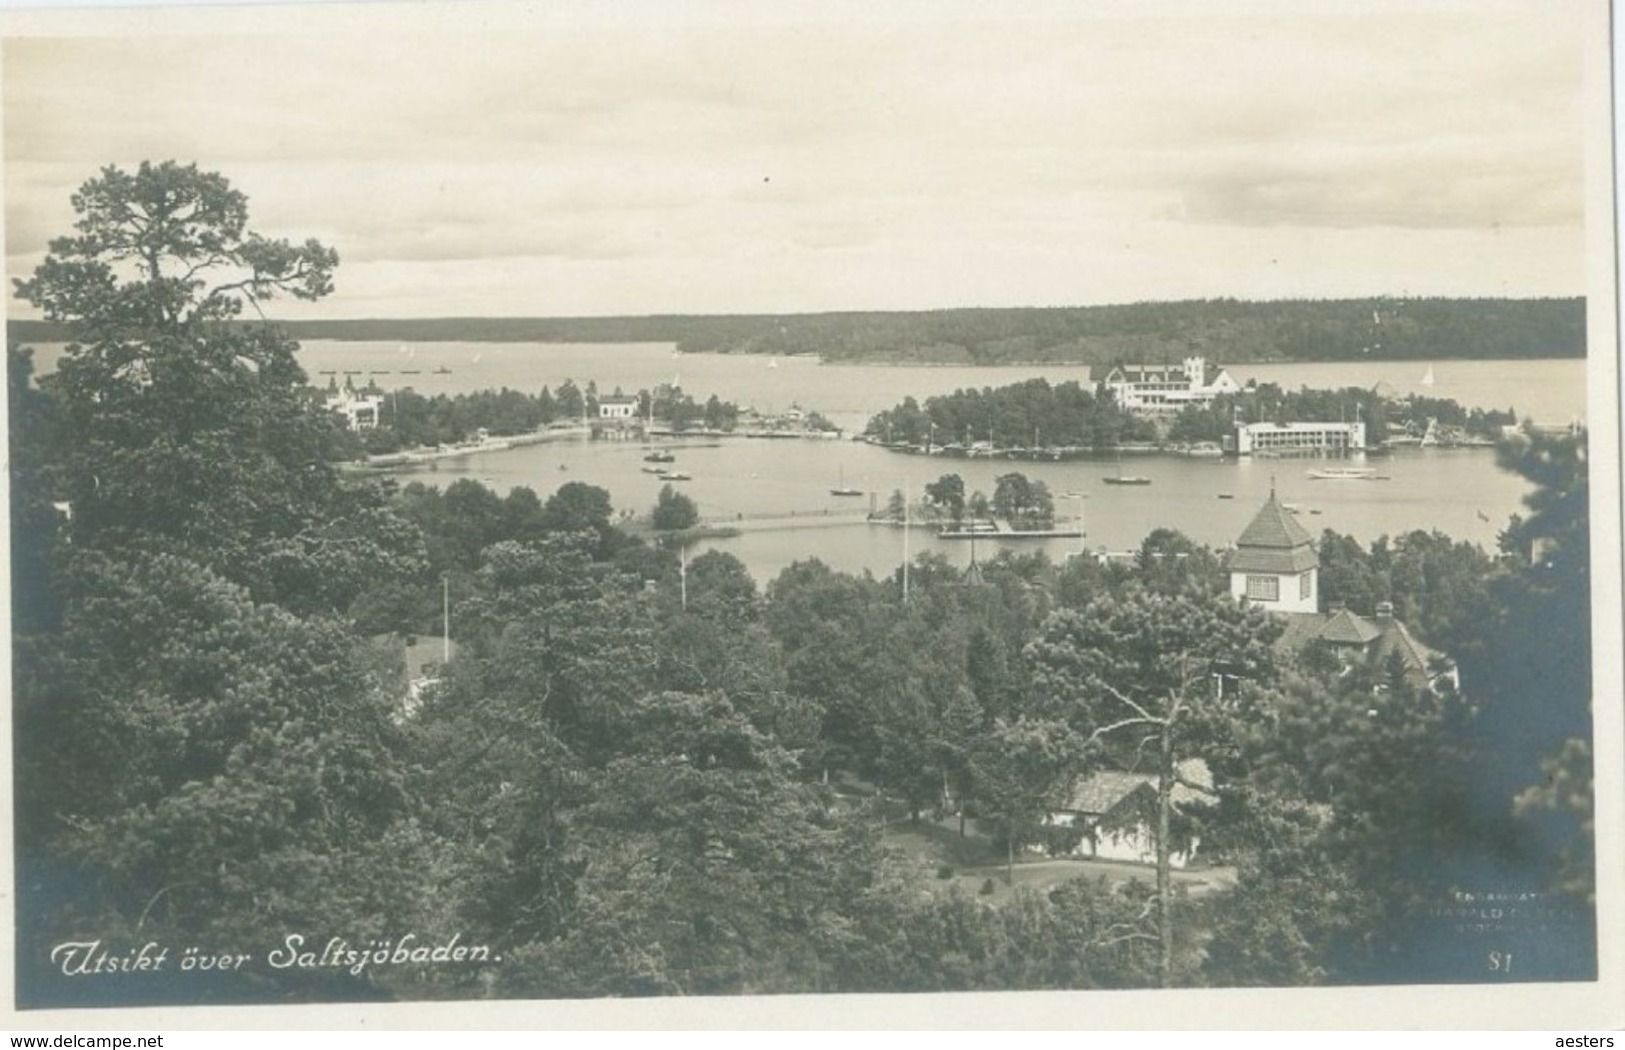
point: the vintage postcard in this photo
(787, 514)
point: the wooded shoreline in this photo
(1228, 330)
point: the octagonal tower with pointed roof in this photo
(1275, 565)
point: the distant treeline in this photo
(1226, 330)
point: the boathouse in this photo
(1298, 439)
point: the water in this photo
(781, 488)
(1548, 391)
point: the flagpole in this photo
(905, 543)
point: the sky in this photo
(598, 162)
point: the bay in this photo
(777, 492)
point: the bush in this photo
(945, 871)
(674, 511)
(988, 888)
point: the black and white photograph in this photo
(625, 503)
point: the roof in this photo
(1396, 637)
(1145, 373)
(1348, 628)
(1379, 639)
(1294, 560)
(1106, 789)
(1300, 427)
(1101, 792)
(618, 399)
(1275, 528)
(1301, 629)
(426, 652)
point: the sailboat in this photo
(1126, 479)
(842, 489)
(1427, 378)
(772, 362)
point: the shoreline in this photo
(407, 458)
(385, 461)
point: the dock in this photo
(1010, 534)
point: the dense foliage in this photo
(1030, 414)
(639, 775)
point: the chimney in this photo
(1334, 607)
(1385, 612)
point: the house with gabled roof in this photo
(1113, 813)
(1275, 566)
(1161, 389)
(617, 406)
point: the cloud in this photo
(967, 155)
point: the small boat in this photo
(411, 371)
(1227, 495)
(660, 457)
(442, 371)
(654, 470)
(1343, 474)
(1126, 479)
(843, 489)
(676, 475)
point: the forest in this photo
(1226, 330)
(636, 773)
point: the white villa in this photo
(617, 406)
(360, 411)
(1164, 389)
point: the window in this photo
(1264, 588)
(1306, 586)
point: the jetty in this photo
(1010, 534)
(416, 456)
